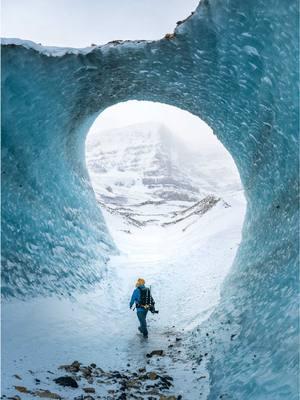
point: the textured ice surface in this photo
(234, 64)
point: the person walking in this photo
(144, 302)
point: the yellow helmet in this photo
(140, 282)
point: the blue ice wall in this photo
(234, 64)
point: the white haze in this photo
(195, 133)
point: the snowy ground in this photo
(185, 268)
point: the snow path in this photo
(185, 270)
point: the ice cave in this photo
(234, 64)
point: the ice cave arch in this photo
(233, 64)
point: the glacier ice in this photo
(233, 64)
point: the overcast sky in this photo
(78, 23)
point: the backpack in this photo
(146, 298)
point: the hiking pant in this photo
(143, 323)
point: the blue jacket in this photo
(135, 298)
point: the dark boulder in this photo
(66, 381)
(155, 353)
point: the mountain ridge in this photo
(144, 173)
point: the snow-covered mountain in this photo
(147, 174)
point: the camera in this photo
(152, 310)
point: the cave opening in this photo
(173, 202)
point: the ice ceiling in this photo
(233, 63)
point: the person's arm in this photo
(134, 298)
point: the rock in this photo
(93, 365)
(114, 42)
(76, 363)
(143, 377)
(86, 371)
(46, 394)
(22, 389)
(132, 383)
(163, 397)
(166, 378)
(123, 387)
(155, 353)
(117, 375)
(37, 381)
(98, 371)
(178, 339)
(66, 381)
(16, 397)
(152, 375)
(89, 390)
(17, 377)
(74, 367)
(232, 336)
(149, 387)
(155, 392)
(141, 370)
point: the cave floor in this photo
(185, 270)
